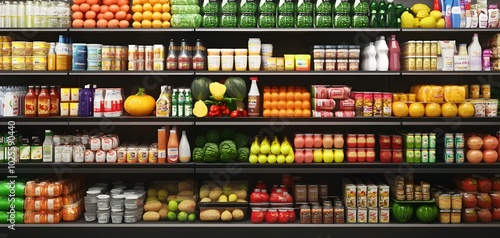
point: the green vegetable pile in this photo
(224, 146)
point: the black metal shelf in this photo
(103, 168)
(263, 121)
(32, 73)
(451, 121)
(131, 73)
(298, 73)
(280, 30)
(127, 30)
(450, 30)
(34, 30)
(457, 73)
(97, 121)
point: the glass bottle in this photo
(30, 102)
(198, 57)
(29, 14)
(172, 63)
(48, 147)
(180, 103)
(188, 103)
(14, 14)
(173, 147)
(2, 14)
(54, 101)
(53, 14)
(43, 102)
(184, 149)
(21, 13)
(175, 95)
(184, 61)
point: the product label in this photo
(54, 106)
(44, 107)
(47, 153)
(30, 107)
(36, 153)
(253, 104)
(173, 154)
(50, 204)
(25, 153)
(162, 155)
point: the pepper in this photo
(226, 111)
(234, 114)
(242, 112)
(215, 111)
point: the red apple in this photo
(484, 185)
(470, 215)
(495, 213)
(495, 199)
(469, 200)
(484, 216)
(469, 184)
(483, 200)
(458, 181)
(496, 183)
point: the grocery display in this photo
(150, 14)
(225, 146)
(105, 14)
(36, 14)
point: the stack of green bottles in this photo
(324, 17)
(248, 10)
(11, 204)
(385, 15)
(286, 11)
(267, 10)
(304, 14)
(210, 10)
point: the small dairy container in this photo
(254, 46)
(213, 62)
(116, 217)
(227, 62)
(267, 49)
(254, 62)
(103, 216)
(131, 202)
(240, 62)
(90, 216)
(94, 65)
(94, 51)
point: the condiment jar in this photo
(305, 214)
(328, 141)
(317, 140)
(316, 214)
(308, 141)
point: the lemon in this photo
(407, 20)
(157, 24)
(436, 14)
(416, 23)
(137, 8)
(147, 15)
(166, 16)
(137, 16)
(136, 24)
(166, 24)
(147, 7)
(165, 7)
(420, 7)
(156, 16)
(428, 22)
(422, 14)
(146, 24)
(134, 2)
(157, 7)
(440, 23)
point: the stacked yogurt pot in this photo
(116, 205)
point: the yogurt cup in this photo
(227, 62)
(254, 62)
(267, 49)
(213, 62)
(215, 52)
(240, 62)
(228, 52)
(254, 46)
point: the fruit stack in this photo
(480, 198)
(275, 152)
(482, 148)
(286, 102)
(223, 202)
(319, 148)
(329, 98)
(151, 14)
(421, 147)
(105, 14)
(366, 201)
(162, 204)
(421, 16)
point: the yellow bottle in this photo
(51, 59)
(163, 104)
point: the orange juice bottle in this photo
(173, 147)
(162, 146)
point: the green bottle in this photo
(382, 6)
(373, 5)
(188, 103)
(382, 19)
(180, 103)
(391, 14)
(373, 19)
(175, 94)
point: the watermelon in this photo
(236, 87)
(426, 213)
(199, 88)
(402, 212)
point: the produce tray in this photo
(413, 202)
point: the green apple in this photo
(328, 155)
(253, 159)
(171, 216)
(172, 206)
(280, 159)
(271, 159)
(290, 159)
(262, 159)
(192, 217)
(339, 156)
(182, 216)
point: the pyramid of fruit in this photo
(105, 14)
(151, 13)
(421, 16)
(271, 152)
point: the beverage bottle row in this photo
(12, 100)
(35, 14)
(174, 103)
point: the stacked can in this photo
(420, 147)
(114, 58)
(149, 57)
(94, 57)
(20, 55)
(454, 145)
(79, 58)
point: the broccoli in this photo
(226, 134)
(200, 141)
(198, 154)
(211, 151)
(228, 151)
(240, 139)
(243, 154)
(213, 136)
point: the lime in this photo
(182, 216)
(192, 217)
(172, 206)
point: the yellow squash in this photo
(140, 104)
(217, 90)
(200, 109)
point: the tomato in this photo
(469, 200)
(495, 183)
(470, 215)
(469, 184)
(495, 199)
(495, 213)
(257, 215)
(283, 216)
(483, 200)
(272, 216)
(484, 185)
(484, 216)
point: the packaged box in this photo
(383, 195)
(361, 191)
(372, 195)
(350, 195)
(362, 214)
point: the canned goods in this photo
(140, 52)
(106, 65)
(425, 156)
(409, 156)
(410, 48)
(459, 141)
(426, 48)
(409, 63)
(459, 156)
(79, 51)
(39, 63)
(432, 140)
(148, 64)
(142, 155)
(121, 155)
(417, 141)
(448, 141)
(132, 65)
(419, 65)
(132, 52)
(419, 48)
(89, 156)
(426, 63)
(159, 52)
(417, 156)
(100, 156)
(158, 65)
(432, 156)
(111, 156)
(121, 52)
(433, 63)
(425, 141)
(140, 64)
(153, 155)
(116, 65)
(367, 104)
(132, 156)
(79, 64)
(434, 48)
(108, 52)
(94, 51)
(149, 53)
(94, 65)
(449, 156)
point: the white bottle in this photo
(475, 55)
(370, 60)
(184, 149)
(108, 103)
(10, 103)
(254, 99)
(382, 55)
(99, 103)
(48, 147)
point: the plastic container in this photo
(254, 62)
(214, 62)
(103, 216)
(92, 195)
(254, 46)
(242, 52)
(131, 218)
(267, 49)
(302, 62)
(227, 62)
(103, 201)
(229, 52)
(116, 217)
(240, 62)
(215, 52)
(131, 202)
(94, 51)
(90, 216)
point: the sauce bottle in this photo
(198, 57)
(30, 102)
(184, 149)
(43, 102)
(184, 60)
(162, 146)
(173, 147)
(163, 103)
(394, 53)
(54, 101)
(254, 99)
(172, 56)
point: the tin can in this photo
(149, 53)
(362, 215)
(159, 52)
(419, 63)
(351, 214)
(153, 155)
(459, 156)
(132, 155)
(425, 141)
(426, 63)
(100, 156)
(432, 140)
(108, 52)
(132, 65)
(358, 103)
(417, 156)
(148, 64)
(425, 156)
(121, 155)
(141, 50)
(132, 52)
(434, 48)
(142, 156)
(89, 156)
(140, 65)
(410, 155)
(459, 141)
(426, 48)
(410, 141)
(111, 156)
(116, 65)
(433, 63)
(418, 141)
(106, 64)
(432, 156)
(377, 104)
(384, 215)
(106, 143)
(409, 48)
(449, 141)
(409, 63)
(485, 91)
(449, 156)
(419, 48)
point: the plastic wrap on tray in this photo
(72, 212)
(43, 204)
(31, 217)
(330, 91)
(52, 187)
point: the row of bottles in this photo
(185, 57)
(35, 14)
(12, 100)
(380, 56)
(384, 14)
(170, 149)
(174, 103)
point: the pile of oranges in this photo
(286, 102)
(151, 13)
(105, 14)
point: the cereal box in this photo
(372, 195)
(373, 215)
(362, 215)
(383, 196)
(361, 191)
(351, 215)
(350, 195)
(384, 215)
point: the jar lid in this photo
(354, 47)
(444, 210)
(131, 197)
(333, 47)
(103, 196)
(319, 47)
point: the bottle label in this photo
(162, 108)
(174, 110)
(47, 153)
(253, 105)
(54, 107)
(44, 107)
(36, 153)
(173, 154)
(180, 110)
(187, 110)
(30, 107)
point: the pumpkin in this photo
(199, 88)
(139, 104)
(200, 109)
(236, 87)
(217, 90)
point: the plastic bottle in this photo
(85, 103)
(188, 103)
(99, 103)
(48, 147)
(43, 102)
(162, 146)
(54, 101)
(184, 149)
(455, 14)
(394, 54)
(475, 54)
(63, 51)
(370, 58)
(163, 103)
(30, 102)
(108, 103)
(180, 103)
(391, 14)
(254, 99)
(175, 96)
(10, 103)
(173, 147)
(382, 56)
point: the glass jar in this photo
(210, 21)
(291, 215)
(267, 6)
(267, 21)
(272, 216)
(323, 20)
(328, 141)
(352, 155)
(317, 140)
(229, 6)
(338, 141)
(305, 6)
(286, 20)
(370, 141)
(228, 21)
(257, 215)
(305, 214)
(361, 141)
(283, 216)
(248, 20)
(299, 156)
(361, 153)
(343, 7)
(304, 20)
(351, 140)
(298, 141)
(308, 141)
(342, 20)
(286, 6)
(360, 20)
(316, 214)
(323, 6)
(308, 156)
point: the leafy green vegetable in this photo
(243, 154)
(228, 151)
(200, 141)
(213, 136)
(226, 134)
(198, 154)
(211, 151)
(240, 139)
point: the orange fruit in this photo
(84, 7)
(274, 104)
(137, 16)
(267, 105)
(77, 23)
(166, 16)
(306, 113)
(306, 96)
(136, 24)
(275, 96)
(125, 8)
(275, 113)
(89, 23)
(156, 16)
(96, 8)
(266, 113)
(147, 15)
(297, 96)
(124, 24)
(290, 113)
(137, 8)
(289, 96)
(281, 105)
(153, 2)
(298, 104)
(165, 24)
(113, 23)
(290, 88)
(120, 15)
(282, 113)
(298, 113)
(282, 89)
(146, 24)
(157, 7)
(122, 2)
(306, 105)
(109, 16)
(147, 7)
(282, 96)
(105, 9)
(102, 23)
(267, 96)
(157, 24)
(114, 8)
(267, 89)
(165, 7)
(75, 8)
(274, 89)
(290, 105)
(77, 15)
(164, 1)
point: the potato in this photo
(151, 216)
(185, 186)
(171, 197)
(241, 194)
(186, 193)
(238, 214)
(163, 214)
(182, 198)
(210, 215)
(226, 216)
(153, 206)
(215, 194)
(204, 192)
(188, 206)
(206, 200)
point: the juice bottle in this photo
(63, 52)
(163, 103)
(43, 102)
(184, 149)
(47, 147)
(30, 102)
(54, 101)
(162, 145)
(173, 147)
(394, 53)
(51, 59)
